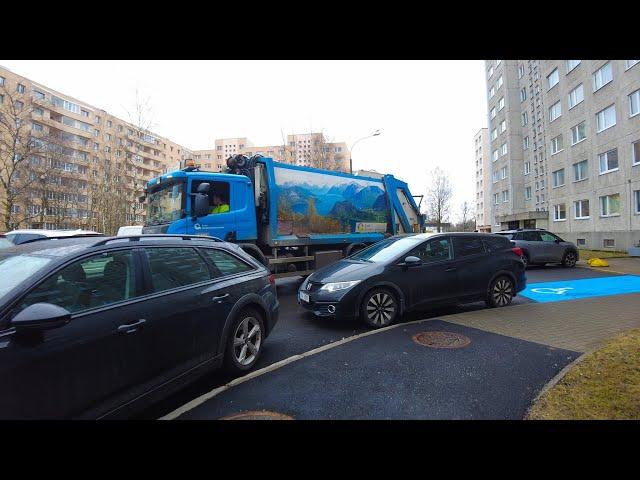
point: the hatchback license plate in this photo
(304, 297)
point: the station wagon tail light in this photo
(518, 251)
(272, 279)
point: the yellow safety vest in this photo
(220, 208)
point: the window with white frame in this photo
(608, 242)
(494, 134)
(493, 113)
(495, 155)
(503, 173)
(635, 153)
(501, 104)
(490, 72)
(580, 171)
(527, 168)
(610, 205)
(636, 203)
(634, 103)
(496, 198)
(579, 132)
(606, 118)
(555, 111)
(499, 83)
(505, 196)
(527, 193)
(525, 118)
(503, 149)
(503, 126)
(581, 209)
(525, 143)
(520, 71)
(559, 212)
(556, 144)
(602, 76)
(576, 96)
(495, 177)
(552, 79)
(571, 64)
(608, 161)
(492, 91)
(523, 94)
(558, 178)
(581, 242)
(630, 63)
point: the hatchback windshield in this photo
(14, 269)
(165, 204)
(386, 250)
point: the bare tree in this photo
(467, 216)
(439, 195)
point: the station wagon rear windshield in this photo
(14, 269)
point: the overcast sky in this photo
(427, 111)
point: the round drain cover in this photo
(441, 339)
(257, 415)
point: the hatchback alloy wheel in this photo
(380, 308)
(501, 292)
(569, 260)
(247, 340)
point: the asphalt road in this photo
(298, 331)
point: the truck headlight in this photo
(334, 287)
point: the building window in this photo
(503, 149)
(492, 91)
(501, 104)
(610, 205)
(37, 111)
(576, 96)
(581, 209)
(503, 126)
(580, 171)
(608, 161)
(1, 81)
(635, 153)
(494, 134)
(38, 95)
(525, 143)
(37, 127)
(496, 198)
(556, 144)
(84, 113)
(559, 212)
(571, 64)
(505, 196)
(499, 83)
(495, 155)
(493, 113)
(634, 103)
(606, 118)
(109, 123)
(552, 79)
(527, 193)
(578, 133)
(630, 63)
(581, 242)
(523, 94)
(520, 71)
(490, 72)
(636, 196)
(558, 178)
(555, 111)
(20, 88)
(527, 168)
(503, 173)
(602, 76)
(495, 176)
(525, 118)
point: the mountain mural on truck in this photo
(316, 203)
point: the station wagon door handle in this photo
(131, 327)
(451, 269)
(220, 299)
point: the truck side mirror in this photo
(201, 204)
(204, 188)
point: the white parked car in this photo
(25, 235)
(130, 230)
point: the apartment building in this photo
(308, 149)
(483, 205)
(92, 149)
(573, 148)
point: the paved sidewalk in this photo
(627, 265)
(577, 325)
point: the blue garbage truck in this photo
(293, 219)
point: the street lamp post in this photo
(374, 134)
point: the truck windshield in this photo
(165, 204)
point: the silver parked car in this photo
(541, 247)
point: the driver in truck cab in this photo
(220, 205)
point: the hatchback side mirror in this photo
(41, 316)
(412, 261)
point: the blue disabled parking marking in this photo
(585, 288)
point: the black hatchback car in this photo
(101, 327)
(393, 276)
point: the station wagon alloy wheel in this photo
(569, 259)
(247, 340)
(380, 308)
(502, 292)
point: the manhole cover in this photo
(261, 415)
(441, 339)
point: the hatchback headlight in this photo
(334, 287)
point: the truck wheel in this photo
(379, 308)
(244, 342)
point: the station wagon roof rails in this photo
(63, 237)
(137, 238)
